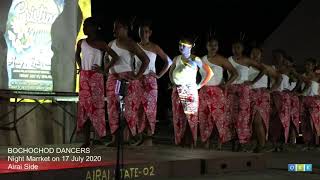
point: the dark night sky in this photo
(257, 19)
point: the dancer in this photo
(294, 87)
(238, 96)
(185, 100)
(310, 109)
(281, 104)
(126, 48)
(212, 100)
(260, 98)
(91, 94)
(146, 90)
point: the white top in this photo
(292, 85)
(217, 78)
(186, 73)
(90, 56)
(152, 64)
(313, 90)
(125, 62)
(284, 83)
(242, 70)
(263, 81)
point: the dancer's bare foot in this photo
(207, 144)
(136, 141)
(234, 146)
(112, 143)
(239, 148)
(99, 142)
(219, 147)
(306, 148)
(192, 146)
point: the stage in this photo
(159, 161)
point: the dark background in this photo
(257, 19)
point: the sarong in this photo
(212, 112)
(141, 105)
(295, 111)
(91, 101)
(281, 107)
(185, 100)
(310, 117)
(260, 103)
(238, 111)
(113, 101)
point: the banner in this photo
(28, 39)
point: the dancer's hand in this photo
(130, 77)
(154, 75)
(199, 86)
(136, 77)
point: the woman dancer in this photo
(212, 100)
(123, 69)
(144, 104)
(294, 86)
(185, 102)
(91, 94)
(310, 109)
(260, 98)
(281, 104)
(238, 96)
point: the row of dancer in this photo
(128, 60)
(247, 106)
(222, 104)
(237, 107)
(258, 100)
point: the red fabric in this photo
(295, 111)
(310, 121)
(281, 106)
(143, 97)
(260, 103)
(238, 110)
(185, 100)
(212, 112)
(91, 101)
(306, 122)
(142, 105)
(113, 106)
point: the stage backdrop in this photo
(38, 44)
(54, 37)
